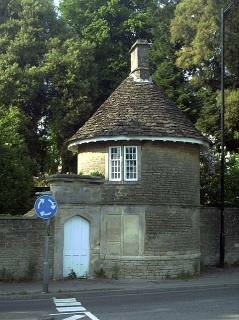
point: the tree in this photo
(210, 178)
(48, 74)
(72, 91)
(166, 73)
(27, 26)
(112, 26)
(16, 180)
(195, 29)
(209, 120)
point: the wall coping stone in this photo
(218, 208)
(74, 177)
(8, 217)
(153, 258)
(127, 204)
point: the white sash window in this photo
(130, 163)
(115, 163)
(123, 163)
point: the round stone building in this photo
(141, 220)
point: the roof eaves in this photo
(73, 144)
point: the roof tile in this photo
(137, 109)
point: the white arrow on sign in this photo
(43, 213)
(53, 205)
(75, 317)
(40, 202)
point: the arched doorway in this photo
(76, 247)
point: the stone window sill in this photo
(122, 182)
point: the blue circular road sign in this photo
(45, 207)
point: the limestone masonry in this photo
(22, 244)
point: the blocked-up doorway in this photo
(76, 247)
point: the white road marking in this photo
(64, 300)
(71, 306)
(75, 317)
(59, 314)
(91, 316)
(67, 309)
(68, 304)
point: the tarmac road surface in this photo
(192, 303)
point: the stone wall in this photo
(74, 189)
(21, 248)
(152, 236)
(210, 235)
(92, 158)
(152, 267)
(172, 230)
(168, 173)
(166, 248)
(164, 231)
(171, 242)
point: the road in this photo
(217, 303)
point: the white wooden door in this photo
(76, 247)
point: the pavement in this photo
(213, 277)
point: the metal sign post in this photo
(45, 208)
(45, 263)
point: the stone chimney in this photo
(140, 61)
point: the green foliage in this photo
(234, 264)
(41, 180)
(16, 180)
(97, 174)
(166, 73)
(115, 271)
(194, 26)
(100, 273)
(71, 70)
(112, 26)
(195, 31)
(209, 119)
(27, 26)
(31, 270)
(49, 75)
(210, 179)
(72, 275)
(183, 275)
(232, 180)
(232, 112)
(6, 275)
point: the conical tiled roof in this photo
(137, 110)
